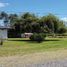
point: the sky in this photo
(39, 7)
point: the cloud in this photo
(3, 4)
(64, 19)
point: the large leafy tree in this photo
(13, 19)
(5, 17)
(52, 22)
(27, 20)
(29, 17)
(36, 28)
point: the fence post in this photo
(1, 41)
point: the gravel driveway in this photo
(43, 59)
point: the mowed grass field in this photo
(21, 46)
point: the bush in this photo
(37, 37)
(62, 30)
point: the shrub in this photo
(62, 30)
(37, 37)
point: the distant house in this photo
(26, 35)
(3, 29)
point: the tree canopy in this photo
(29, 22)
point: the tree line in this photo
(30, 23)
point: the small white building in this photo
(3, 30)
(3, 33)
(26, 35)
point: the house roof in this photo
(3, 27)
(1, 22)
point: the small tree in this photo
(37, 37)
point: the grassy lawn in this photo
(23, 46)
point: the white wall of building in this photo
(3, 34)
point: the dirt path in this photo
(44, 59)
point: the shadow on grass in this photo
(51, 40)
(35, 41)
(24, 41)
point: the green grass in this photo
(16, 46)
